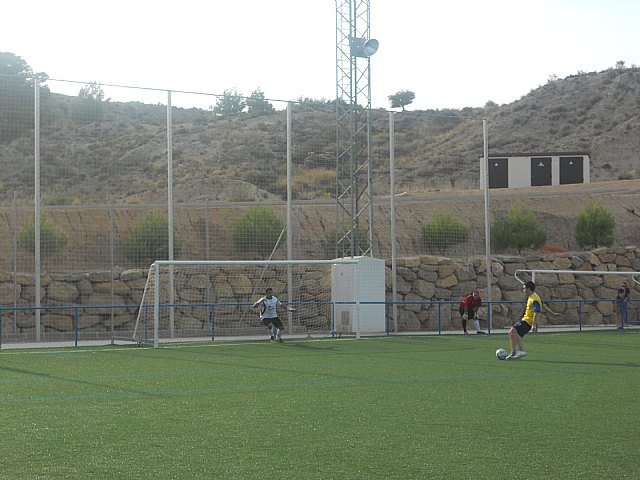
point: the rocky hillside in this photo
(117, 151)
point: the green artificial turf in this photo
(373, 408)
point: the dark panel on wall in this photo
(571, 170)
(540, 171)
(498, 173)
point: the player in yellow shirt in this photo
(529, 322)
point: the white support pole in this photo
(357, 295)
(487, 213)
(369, 163)
(289, 195)
(156, 305)
(37, 266)
(392, 189)
(15, 259)
(170, 210)
(112, 263)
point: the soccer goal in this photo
(583, 297)
(214, 299)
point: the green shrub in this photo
(256, 233)
(595, 226)
(518, 230)
(442, 232)
(52, 238)
(149, 240)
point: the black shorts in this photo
(522, 328)
(275, 320)
(472, 313)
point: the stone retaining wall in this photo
(85, 289)
(431, 278)
(421, 281)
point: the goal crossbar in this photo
(634, 275)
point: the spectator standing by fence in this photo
(622, 304)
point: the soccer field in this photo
(374, 408)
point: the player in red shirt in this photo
(469, 307)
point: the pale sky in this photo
(451, 54)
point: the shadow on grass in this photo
(574, 362)
(57, 378)
(309, 346)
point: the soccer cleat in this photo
(271, 338)
(513, 356)
(522, 353)
(480, 332)
(466, 333)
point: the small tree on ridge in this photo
(402, 99)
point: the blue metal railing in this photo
(633, 312)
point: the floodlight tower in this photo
(354, 199)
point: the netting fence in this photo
(103, 168)
(104, 163)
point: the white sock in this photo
(477, 324)
(278, 335)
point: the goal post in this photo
(214, 299)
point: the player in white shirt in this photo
(269, 314)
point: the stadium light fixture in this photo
(361, 47)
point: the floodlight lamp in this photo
(361, 47)
(370, 47)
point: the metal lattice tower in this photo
(354, 200)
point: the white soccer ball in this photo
(501, 354)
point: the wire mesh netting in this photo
(107, 169)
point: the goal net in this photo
(214, 299)
(584, 298)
